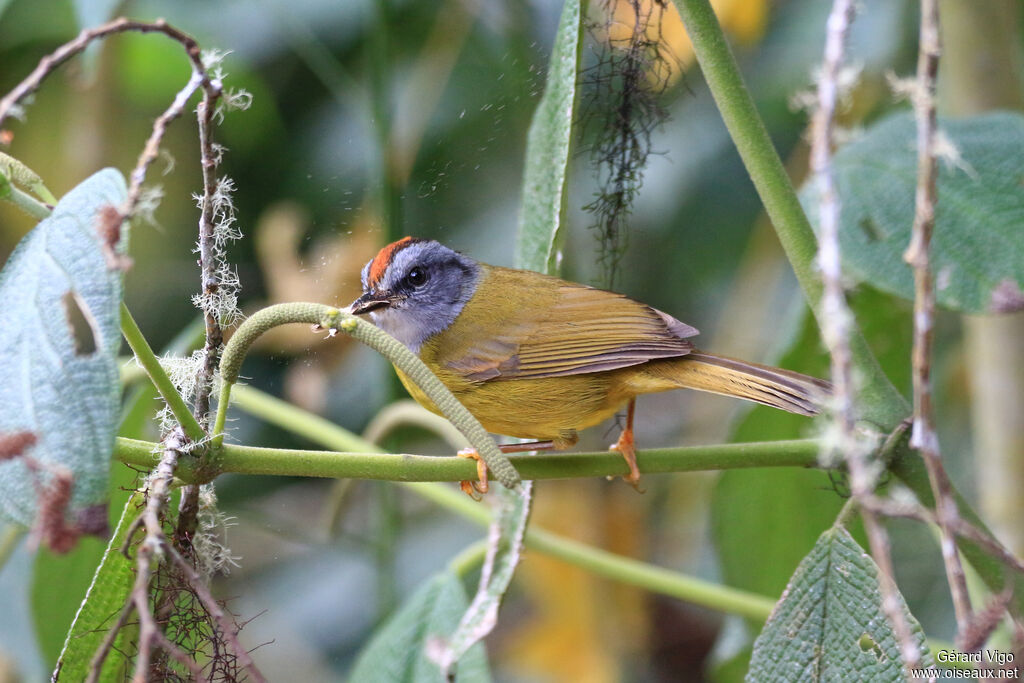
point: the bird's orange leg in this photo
(474, 489)
(627, 446)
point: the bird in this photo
(538, 357)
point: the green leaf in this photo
(829, 624)
(107, 594)
(548, 147)
(53, 611)
(59, 336)
(397, 652)
(749, 507)
(976, 254)
(504, 550)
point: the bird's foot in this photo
(627, 447)
(475, 489)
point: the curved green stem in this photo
(151, 364)
(402, 358)
(24, 201)
(878, 401)
(469, 558)
(408, 413)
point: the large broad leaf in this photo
(978, 257)
(547, 151)
(59, 336)
(397, 652)
(829, 624)
(107, 594)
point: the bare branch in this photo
(200, 79)
(152, 149)
(68, 50)
(918, 255)
(837, 322)
(960, 527)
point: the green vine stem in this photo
(879, 401)
(151, 364)
(656, 579)
(19, 174)
(331, 318)
(409, 413)
(909, 467)
(603, 563)
(372, 463)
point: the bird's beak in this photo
(370, 301)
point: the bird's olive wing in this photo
(574, 330)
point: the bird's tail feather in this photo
(783, 389)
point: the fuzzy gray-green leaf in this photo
(829, 624)
(59, 337)
(548, 148)
(977, 250)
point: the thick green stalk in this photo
(878, 401)
(151, 364)
(375, 464)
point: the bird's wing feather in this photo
(577, 330)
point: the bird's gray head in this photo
(415, 288)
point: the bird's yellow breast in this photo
(534, 408)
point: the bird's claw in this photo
(627, 447)
(475, 489)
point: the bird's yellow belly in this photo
(534, 408)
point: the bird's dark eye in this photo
(417, 277)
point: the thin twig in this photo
(835, 312)
(188, 508)
(100, 656)
(918, 255)
(152, 149)
(207, 256)
(68, 50)
(49, 64)
(960, 527)
(837, 322)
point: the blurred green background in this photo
(373, 119)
